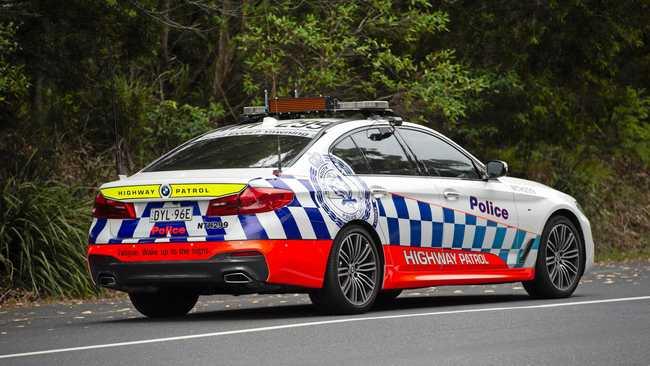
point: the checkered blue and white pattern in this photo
(402, 221)
(301, 219)
(410, 222)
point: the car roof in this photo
(305, 127)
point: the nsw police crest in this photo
(339, 192)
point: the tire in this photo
(557, 276)
(387, 297)
(163, 303)
(354, 290)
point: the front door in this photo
(479, 215)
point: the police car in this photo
(343, 201)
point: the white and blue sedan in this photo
(340, 200)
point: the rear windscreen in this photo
(229, 152)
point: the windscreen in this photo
(229, 152)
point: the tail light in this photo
(110, 209)
(251, 200)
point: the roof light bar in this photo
(284, 105)
(255, 110)
(366, 104)
(319, 104)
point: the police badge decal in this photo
(339, 192)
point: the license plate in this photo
(170, 214)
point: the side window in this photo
(348, 151)
(438, 157)
(383, 152)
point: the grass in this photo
(618, 255)
(43, 230)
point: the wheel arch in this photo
(375, 239)
(375, 236)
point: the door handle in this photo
(378, 192)
(451, 195)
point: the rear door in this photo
(478, 215)
(406, 221)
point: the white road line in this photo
(323, 322)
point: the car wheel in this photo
(354, 274)
(163, 303)
(560, 261)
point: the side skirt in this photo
(412, 267)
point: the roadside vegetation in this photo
(92, 89)
(42, 234)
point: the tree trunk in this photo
(223, 62)
(164, 46)
(37, 102)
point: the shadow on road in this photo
(433, 303)
(297, 311)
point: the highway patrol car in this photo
(340, 200)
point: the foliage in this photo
(43, 230)
(358, 49)
(620, 213)
(13, 81)
(170, 124)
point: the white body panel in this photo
(536, 203)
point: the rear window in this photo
(230, 152)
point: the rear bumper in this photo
(207, 276)
(280, 265)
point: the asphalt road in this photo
(606, 322)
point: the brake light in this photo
(224, 206)
(109, 209)
(252, 200)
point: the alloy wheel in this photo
(357, 268)
(562, 256)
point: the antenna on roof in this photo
(266, 100)
(278, 171)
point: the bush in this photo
(43, 230)
(620, 216)
(170, 124)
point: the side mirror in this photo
(496, 169)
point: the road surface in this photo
(606, 322)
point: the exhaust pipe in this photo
(107, 281)
(237, 278)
